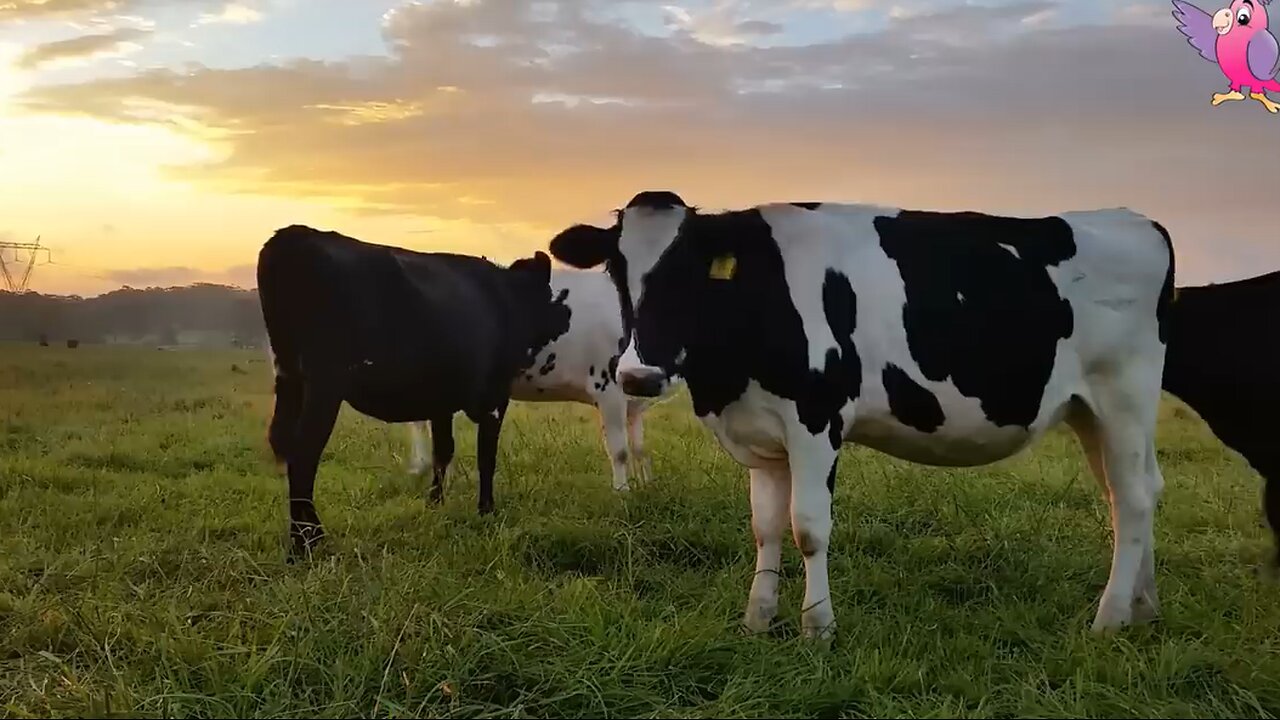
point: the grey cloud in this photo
(758, 27)
(81, 46)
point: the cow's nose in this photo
(642, 382)
(1222, 21)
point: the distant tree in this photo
(134, 314)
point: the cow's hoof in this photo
(819, 622)
(1144, 608)
(823, 634)
(306, 540)
(1109, 623)
(1144, 612)
(758, 620)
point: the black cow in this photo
(1223, 362)
(401, 336)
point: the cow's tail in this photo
(1164, 306)
(284, 419)
(277, 292)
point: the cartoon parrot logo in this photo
(1237, 39)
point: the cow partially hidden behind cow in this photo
(950, 339)
(401, 336)
(1223, 362)
(577, 366)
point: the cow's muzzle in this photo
(643, 382)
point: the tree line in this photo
(203, 313)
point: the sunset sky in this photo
(160, 142)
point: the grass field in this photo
(142, 546)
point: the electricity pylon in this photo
(16, 277)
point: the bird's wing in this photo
(1197, 26)
(1264, 55)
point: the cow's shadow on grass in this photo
(616, 551)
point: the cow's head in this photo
(546, 318)
(641, 235)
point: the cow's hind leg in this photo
(1271, 502)
(442, 447)
(1117, 433)
(770, 507)
(488, 429)
(320, 407)
(1268, 467)
(613, 419)
(1266, 462)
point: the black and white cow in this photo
(1223, 360)
(945, 339)
(400, 336)
(577, 366)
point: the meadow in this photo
(142, 570)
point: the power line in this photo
(81, 270)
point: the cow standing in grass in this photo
(945, 339)
(1223, 361)
(399, 335)
(577, 366)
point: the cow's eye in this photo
(1243, 16)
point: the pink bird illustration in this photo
(1237, 39)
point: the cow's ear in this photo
(585, 246)
(537, 267)
(542, 266)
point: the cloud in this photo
(23, 10)
(40, 9)
(238, 275)
(838, 5)
(1140, 13)
(544, 113)
(721, 24)
(85, 46)
(233, 13)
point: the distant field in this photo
(142, 540)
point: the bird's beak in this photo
(1222, 21)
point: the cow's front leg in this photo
(770, 503)
(613, 420)
(488, 428)
(812, 462)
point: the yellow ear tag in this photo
(723, 267)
